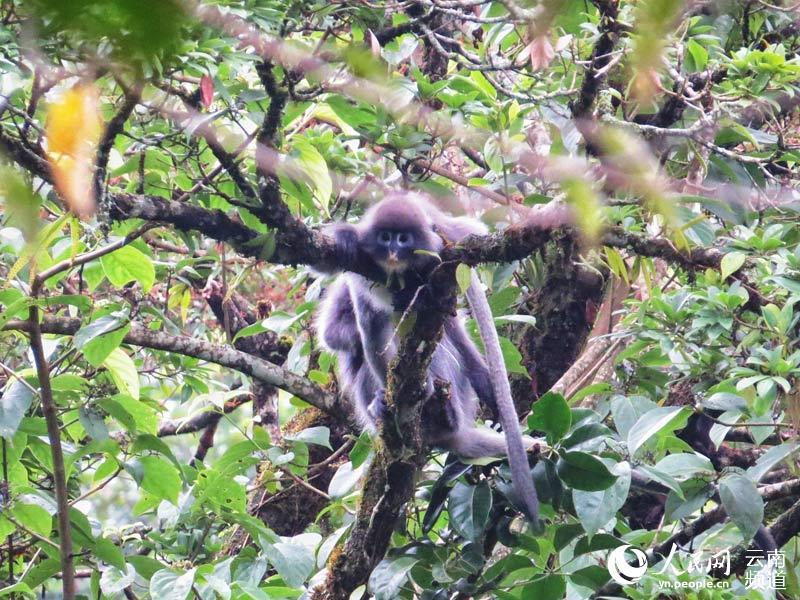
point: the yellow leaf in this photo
(73, 131)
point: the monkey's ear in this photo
(455, 229)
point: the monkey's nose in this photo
(393, 258)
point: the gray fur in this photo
(355, 321)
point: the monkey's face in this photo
(394, 249)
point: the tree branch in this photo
(299, 244)
(25, 157)
(50, 413)
(601, 56)
(210, 416)
(113, 129)
(221, 355)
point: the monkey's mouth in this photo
(393, 264)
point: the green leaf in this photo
(512, 357)
(526, 319)
(123, 372)
(583, 471)
(321, 436)
(17, 308)
(743, 503)
(769, 459)
(731, 263)
(565, 534)
(42, 572)
(17, 589)
(389, 576)
(100, 337)
(129, 264)
(549, 587)
(596, 509)
(34, 516)
(81, 529)
(14, 403)
(593, 543)
(115, 579)
(238, 458)
(479, 79)
(314, 170)
(294, 561)
(160, 478)
(171, 585)
(21, 205)
(650, 424)
(135, 415)
(145, 566)
(685, 465)
(616, 263)
(361, 449)
(440, 490)
(662, 478)
(345, 480)
(699, 55)
(584, 438)
(110, 553)
(221, 491)
(593, 577)
(250, 330)
(469, 507)
(281, 321)
(551, 414)
(463, 277)
(790, 284)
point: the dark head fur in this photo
(394, 230)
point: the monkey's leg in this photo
(377, 406)
(363, 391)
(473, 364)
(477, 442)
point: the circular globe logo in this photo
(623, 572)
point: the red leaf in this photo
(206, 90)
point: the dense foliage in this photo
(170, 427)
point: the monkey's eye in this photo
(405, 239)
(384, 238)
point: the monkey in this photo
(401, 235)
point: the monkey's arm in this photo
(336, 320)
(374, 329)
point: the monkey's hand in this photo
(377, 408)
(422, 296)
(346, 238)
(402, 298)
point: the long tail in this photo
(517, 458)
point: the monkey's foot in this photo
(377, 408)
